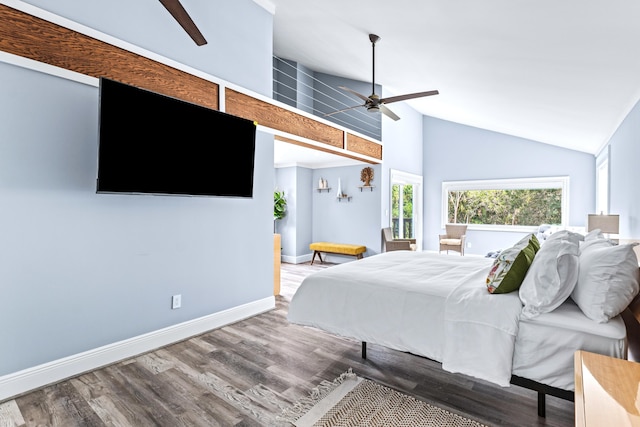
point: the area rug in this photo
(354, 401)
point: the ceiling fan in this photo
(180, 14)
(373, 103)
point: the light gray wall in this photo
(454, 152)
(623, 171)
(295, 227)
(82, 270)
(402, 150)
(355, 221)
(306, 93)
(304, 202)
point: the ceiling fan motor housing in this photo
(372, 102)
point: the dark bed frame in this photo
(542, 389)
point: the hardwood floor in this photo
(246, 373)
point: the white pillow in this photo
(607, 280)
(594, 234)
(592, 243)
(566, 235)
(551, 277)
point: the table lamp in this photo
(608, 224)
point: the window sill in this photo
(508, 228)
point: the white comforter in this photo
(480, 330)
(428, 304)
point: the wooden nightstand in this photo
(607, 391)
(277, 254)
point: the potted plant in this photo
(279, 207)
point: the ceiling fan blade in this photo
(408, 96)
(359, 95)
(344, 109)
(387, 112)
(180, 14)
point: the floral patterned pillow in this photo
(511, 266)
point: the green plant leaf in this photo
(279, 205)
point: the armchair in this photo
(454, 238)
(391, 244)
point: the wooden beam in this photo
(34, 38)
(363, 146)
(281, 119)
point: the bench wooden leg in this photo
(359, 256)
(314, 257)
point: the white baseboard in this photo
(296, 259)
(29, 379)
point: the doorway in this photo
(406, 206)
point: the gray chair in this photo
(391, 244)
(454, 238)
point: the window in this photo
(402, 202)
(506, 204)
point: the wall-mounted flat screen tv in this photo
(150, 143)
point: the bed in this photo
(438, 306)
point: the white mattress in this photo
(546, 344)
(399, 300)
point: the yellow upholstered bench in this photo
(336, 248)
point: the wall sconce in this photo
(608, 224)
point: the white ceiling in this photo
(560, 72)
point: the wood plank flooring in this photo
(246, 373)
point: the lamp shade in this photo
(606, 223)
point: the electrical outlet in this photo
(176, 301)
(468, 244)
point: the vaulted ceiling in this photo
(562, 73)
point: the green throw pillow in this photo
(511, 265)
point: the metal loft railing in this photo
(318, 94)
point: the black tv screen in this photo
(150, 143)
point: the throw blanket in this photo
(480, 330)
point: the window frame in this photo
(602, 182)
(535, 183)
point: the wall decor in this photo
(366, 176)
